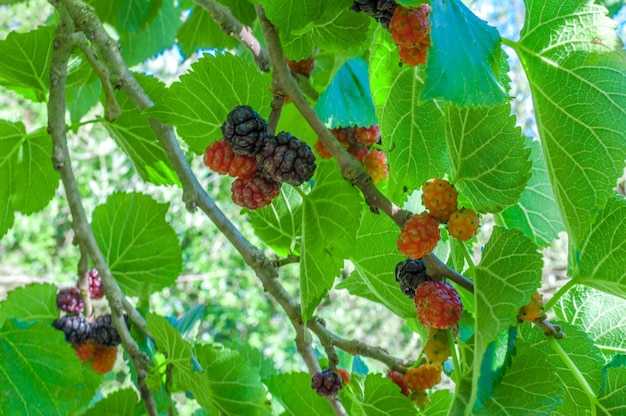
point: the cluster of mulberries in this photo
(328, 382)
(416, 381)
(93, 339)
(380, 10)
(359, 142)
(410, 30)
(259, 162)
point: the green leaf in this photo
(199, 103)
(344, 32)
(39, 371)
(178, 352)
(530, 383)
(135, 136)
(200, 31)
(384, 70)
(571, 53)
(279, 225)
(381, 398)
(154, 38)
(536, 213)
(488, 161)
(614, 388)
(34, 302)
(140, 247)
(463, 60)
(585, 356)
(508, 274)
(602, 263)
(120, 402)
(28, 178)
(375, 255)
(331, 214)
(128, 16)
(600, 315)
(613, 6)
(237, 387)
(294, 392)
(243, 10)
(413, 136)
(347, 101)
(82, 99)
(440, 402)
(25, 63)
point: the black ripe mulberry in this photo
(326, 383)
(104, 333)
(380, 10)
(245, 130)
(75, 327)
(287, 159)
(410, 274)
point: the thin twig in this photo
(285, 261)
(62, 49)
(83, 279)
(278, 100)
(350, 168)
(233, 27)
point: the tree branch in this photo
(233, 27)
(350, 168)
(62, 49)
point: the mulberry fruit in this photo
(437, 305)
(69, 300)
(302, 67)
(220, 158)
(254, 193)
(85, 350)
(398, 378)
(437, 348)
(103, 359)
(440, 198)
(245, 130)
(463, 224)
(533, 310)
(322, 150)
(104, 333)
(380, 10)
(287, 159)
(410, 274)
(326, 383)
(419, 236)
(96, 290)
(360, 153)
(345, 375)
(410, 30)
(367, 135)
(423, 377)
(75, 327)
(376, 165)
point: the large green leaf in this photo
(530, 383)
(614, 388)
(331, 213)
(508, 274)
(536, 213)
(159, 34)
(347, 101)
(584, 355)
(39, 371)
(236, 386)
(375, 255)
(120, 402)
(140, 247)
(133, 134)
(488, 161)
(34, 302)
(383, 69)
(128, 16)
(413, 136)
(279, 225)
(178, 353)
(381, 398)
(25, 63)
(577, 73)
(26, 173)
(199, 103)
(200, 31)
(602, 263)
(462, 64)
(602, 316)
(294, 392)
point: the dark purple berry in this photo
(245, 130)
(69, 300)
(96, 290)
(75, 327)
(380, 10)
(410, 274)
(287, 159)
(104, 333)
(326, 383)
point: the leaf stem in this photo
(560, 292)
(455, 358)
